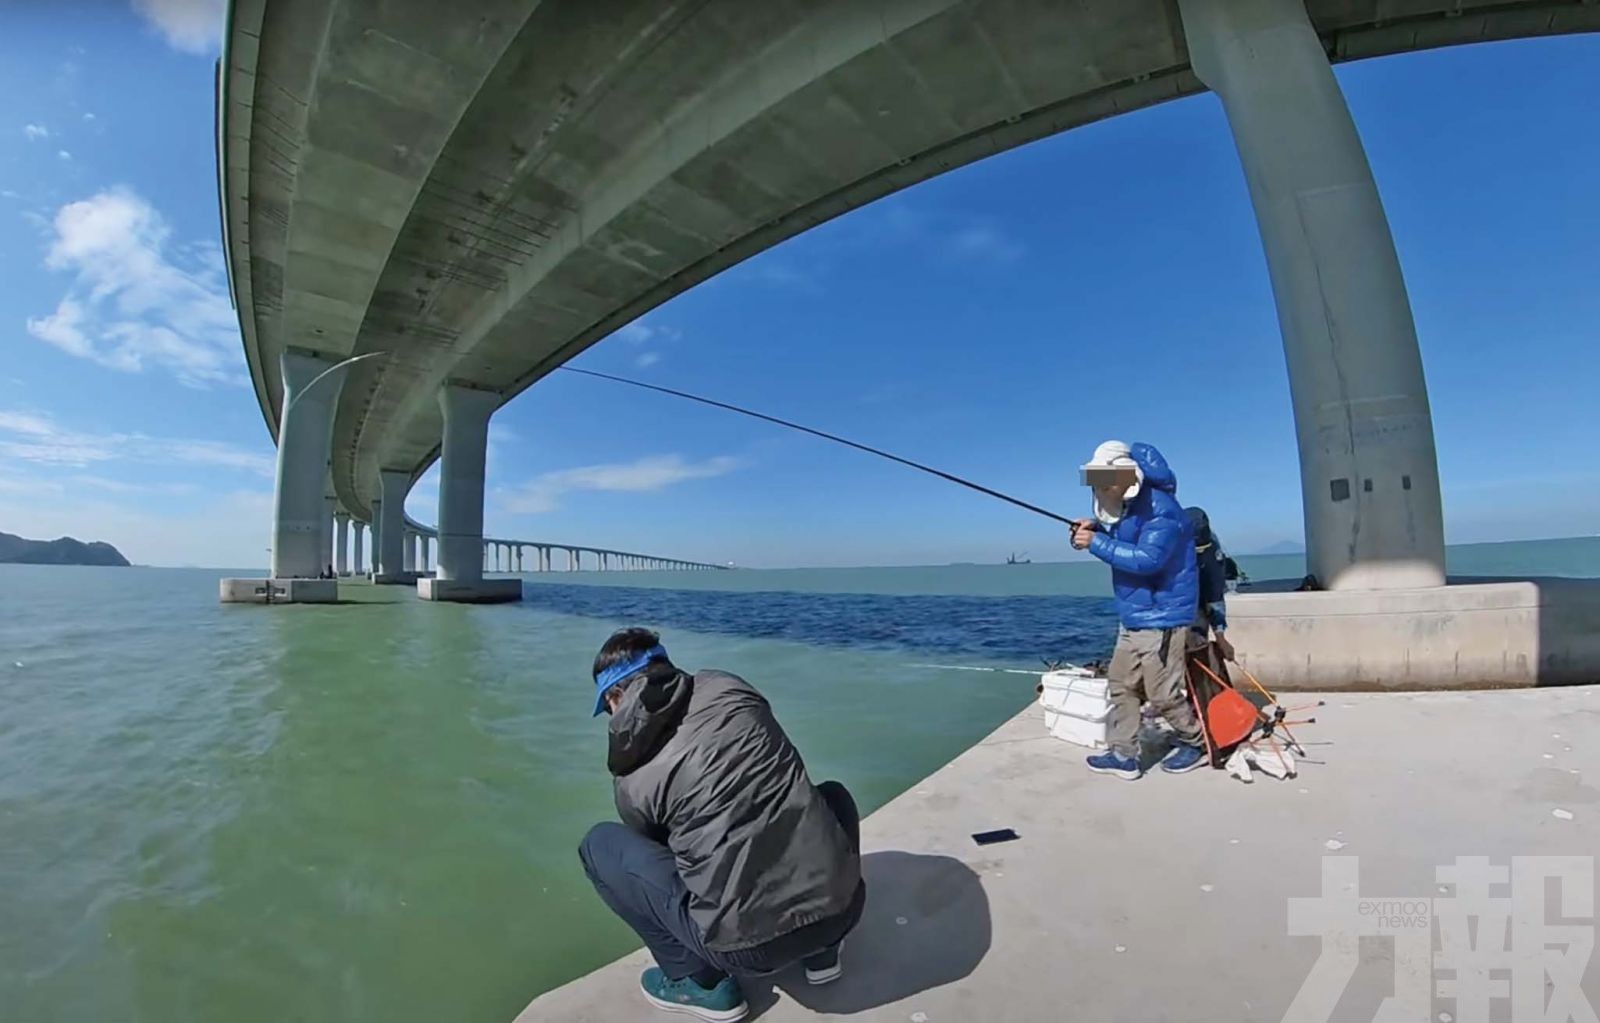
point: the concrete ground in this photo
(1167, 898)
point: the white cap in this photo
(1112, 452)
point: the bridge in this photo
(462, 199)
(349, 547)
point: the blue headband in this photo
(619, 672)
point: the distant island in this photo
(14, 550)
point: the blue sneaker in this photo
(1183, 759)
(721, 1004)
(1108, 762)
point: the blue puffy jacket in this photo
(1151, 551)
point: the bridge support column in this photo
(358, 561)
(389, 546)
(377, 539)
(341, 542)
(300, 546)
(1368, 473)
(408, 553)
(330, 512)
(423, 561)
(462, 553)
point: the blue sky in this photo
(997, 322)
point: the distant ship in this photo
(1019, 559)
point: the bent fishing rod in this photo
(930, 470)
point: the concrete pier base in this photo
(1468, 635)
(1193, 897)
(280, 591)
(471, 591)
(394, 578)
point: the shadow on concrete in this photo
(926, 924)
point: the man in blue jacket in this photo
(1141, 531)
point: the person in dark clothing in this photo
(728, 861)
(1211, 622)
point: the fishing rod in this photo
(949, 477)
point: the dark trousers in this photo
(639, 880)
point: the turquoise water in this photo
(369, 812)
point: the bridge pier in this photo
(422, 559)
(341, 543)
(408, 553)
(392, 540)
(301, 545)
(462, 552)
(1368, 473)
(358, 561)
(377, 539)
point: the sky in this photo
(997, 322)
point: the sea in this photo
(371, 811)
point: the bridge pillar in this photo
(377, 538)
(389, 545)
(330, 511)
(463, 555)
(341, 542)
(422, 561)
(300, 545)
(408, 553)
(358, 561)
(1369, 477)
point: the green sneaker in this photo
(721, 1004)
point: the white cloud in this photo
(37, 439)
(984, 241)
(130, 306)
(63, 154)
(648, 359)
(35, 131)
(192, 26)
(544, 492)
(636, 333)
(88, 117)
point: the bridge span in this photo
(474, 195)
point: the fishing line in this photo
(949, 477)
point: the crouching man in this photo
(729, 862)
(1141, 531)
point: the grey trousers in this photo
(1149, 664)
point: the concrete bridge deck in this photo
(1166, 899)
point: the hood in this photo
(1202, 525)
(1154, 467)
(647, 717)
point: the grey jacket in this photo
(703, 766)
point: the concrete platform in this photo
(470, 591)
(280, 591)
(394, 578)
(1470, 634)
(1168, 898)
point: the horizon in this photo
(1079, 559)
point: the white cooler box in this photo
(1076, 707)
